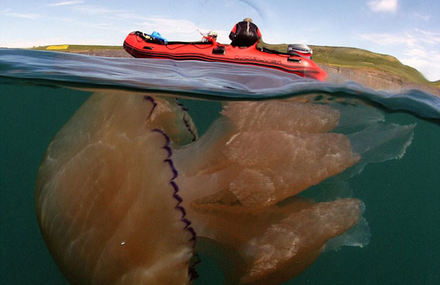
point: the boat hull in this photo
(140, 47)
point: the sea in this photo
(397, 178)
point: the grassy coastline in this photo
(359, 58)
(76, 48)
(355, 58)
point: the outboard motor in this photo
(302, 50)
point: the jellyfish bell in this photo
(99, 220)
(126, 185)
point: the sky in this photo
(406, 29)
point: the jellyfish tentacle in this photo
(281, 115)
(253, 162)
(268, 151)
(273, 243)
(276, 165)
(288, 247)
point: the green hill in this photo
(355, 58)
(360, 58)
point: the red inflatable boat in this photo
(296, 60)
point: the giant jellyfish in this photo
(128, 192)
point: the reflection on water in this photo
(237, 181)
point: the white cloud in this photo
(423, 17)
(118, 19)
(386, 6)
(428, 37)
(428, 65)
(385, 39)
(170, 28)
(417, 48)
(66, 3)
(29, 16)
(179, 29)
(93, 10)
(411, 38)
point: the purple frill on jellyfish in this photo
(127, 189)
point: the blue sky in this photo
(406, 29)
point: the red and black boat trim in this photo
(140, 45)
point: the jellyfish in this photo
(128, 191)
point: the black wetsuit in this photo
(244, 34)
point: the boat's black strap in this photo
(191, 43)
(290, 53)
(272, 51)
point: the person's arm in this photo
(232, 33)
(258, 33)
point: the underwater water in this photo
(396, 177)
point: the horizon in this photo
(401, 28)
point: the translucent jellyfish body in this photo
(127, 190)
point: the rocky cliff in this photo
(375, 79)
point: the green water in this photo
(30, 118)
(402, 199)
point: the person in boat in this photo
(245, 33)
